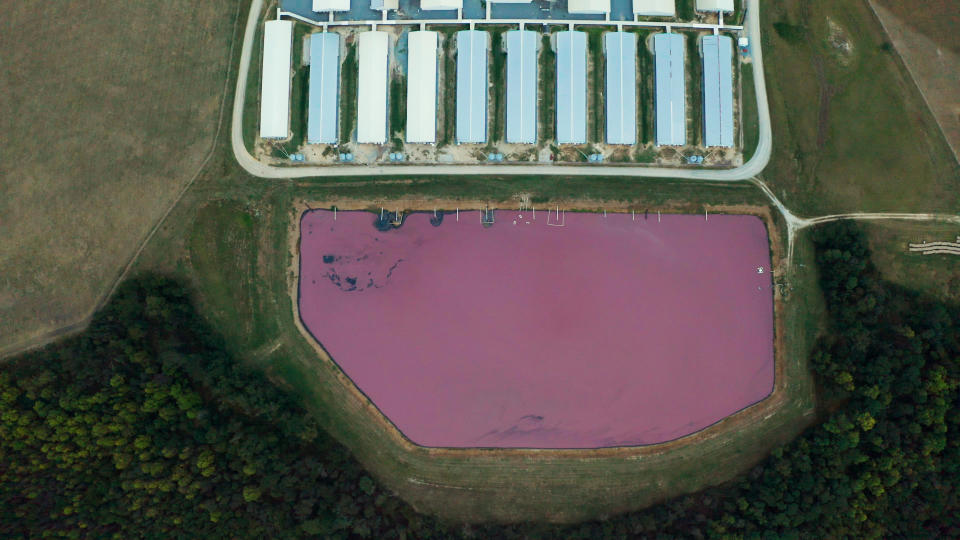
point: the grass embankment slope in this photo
(108, 112)
(851, 132)
(230, 239)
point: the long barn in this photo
(521, 86)
(670, 90)
(422, 87)
(717, 90)
(324, 88)
(571, 87)
(472, 46)
(275, 86)
(372, 87)
(620, 49)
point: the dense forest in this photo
(146, 426)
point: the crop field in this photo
(108, 113)
(851, 132)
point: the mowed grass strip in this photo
(229, 267)
(108, 112)
(851, 132)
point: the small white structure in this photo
(275, 86)
(440, 5)
(372, 87)
(509, 1)
(422, 87)
(384, 5)
(589, 6)
(321, 6)
(715, 5)
(655, 8)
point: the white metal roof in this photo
(430, 5)
(571, 87)
(275, 86)
(331, 5)
(510, 1)
(717, 90)
(383, 5)
(620, 49)
(324, 85)
(472, 47)
(422, 87)
(588, 6)
(372, 87)
(670, 90)
(522, 86)
(715, 5)
(655, 8)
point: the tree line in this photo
(146, 426)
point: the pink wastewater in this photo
(606, 331)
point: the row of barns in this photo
(647, 8)
(472, 87)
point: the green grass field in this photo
(107, 115)
(937, 275)
(850, 130)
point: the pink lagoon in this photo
(612, 330)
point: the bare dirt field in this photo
(108, 111)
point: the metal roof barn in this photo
(588, 6)
(717, 90)
(571, 87)
(655, 8)
(372, 87)
(422, 87)
(384, 5)
(431, 5)
(670, 91)
(331, 5)
(715, 5)
(621, 52)
(472, 48)
(275, 86)
(521, 86)
(324, 88)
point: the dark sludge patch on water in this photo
(385, 221)
(348, 282)
(329, 259)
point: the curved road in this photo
(748, 170)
